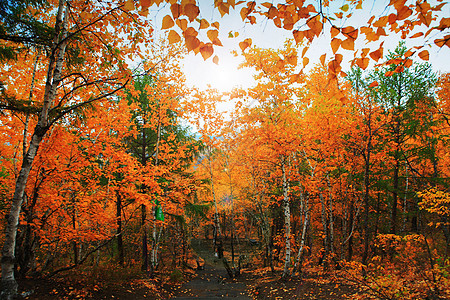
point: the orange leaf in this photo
(350, 31)
(244, 13)
(373, 84)
(335, 44)
(322, 59)
(292, 60)
(408, 63)
(381, 22)
(212, 34)
(416, 35)
(206, 50)
(176, 10)
(191, 11)
(388, 74)
(305, 61)
(204, 24)
(182, 23)
(345, 7)
(191, 42)
(174, 37)
(167, 22)
(392, 18)
(363, 62)
(376, 55)
(334, 31)
(216, 59)
(298, 36)
(348, 44)
(364, 52)
(442, 42)
(129, 5)
(424, 55)
(304, 51)
(146, 3)
(224, 8)
(403, 13)
(215, 25)
(245, 44)
(273, 12)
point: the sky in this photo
(264, 34)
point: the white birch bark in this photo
(8, 282)
(287, 218)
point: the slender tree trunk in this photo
(119, 229)
(350, 230)
(155, 236)
(299, 261)
(287, 218)
(144, 266)
(326, 247)
(74, 242)
(8, 282)
(367, 151)
(217, 237)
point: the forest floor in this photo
(212, 282)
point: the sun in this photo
(223, 76)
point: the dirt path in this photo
(212, 282)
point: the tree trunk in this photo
(299, 261)
(119, 229)
(144, 266)
(287, 219)
(8, 282)
(217, 236)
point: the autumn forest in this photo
(327, 176)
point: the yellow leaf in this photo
(167, 22)
(345, 7)
(174, 37)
